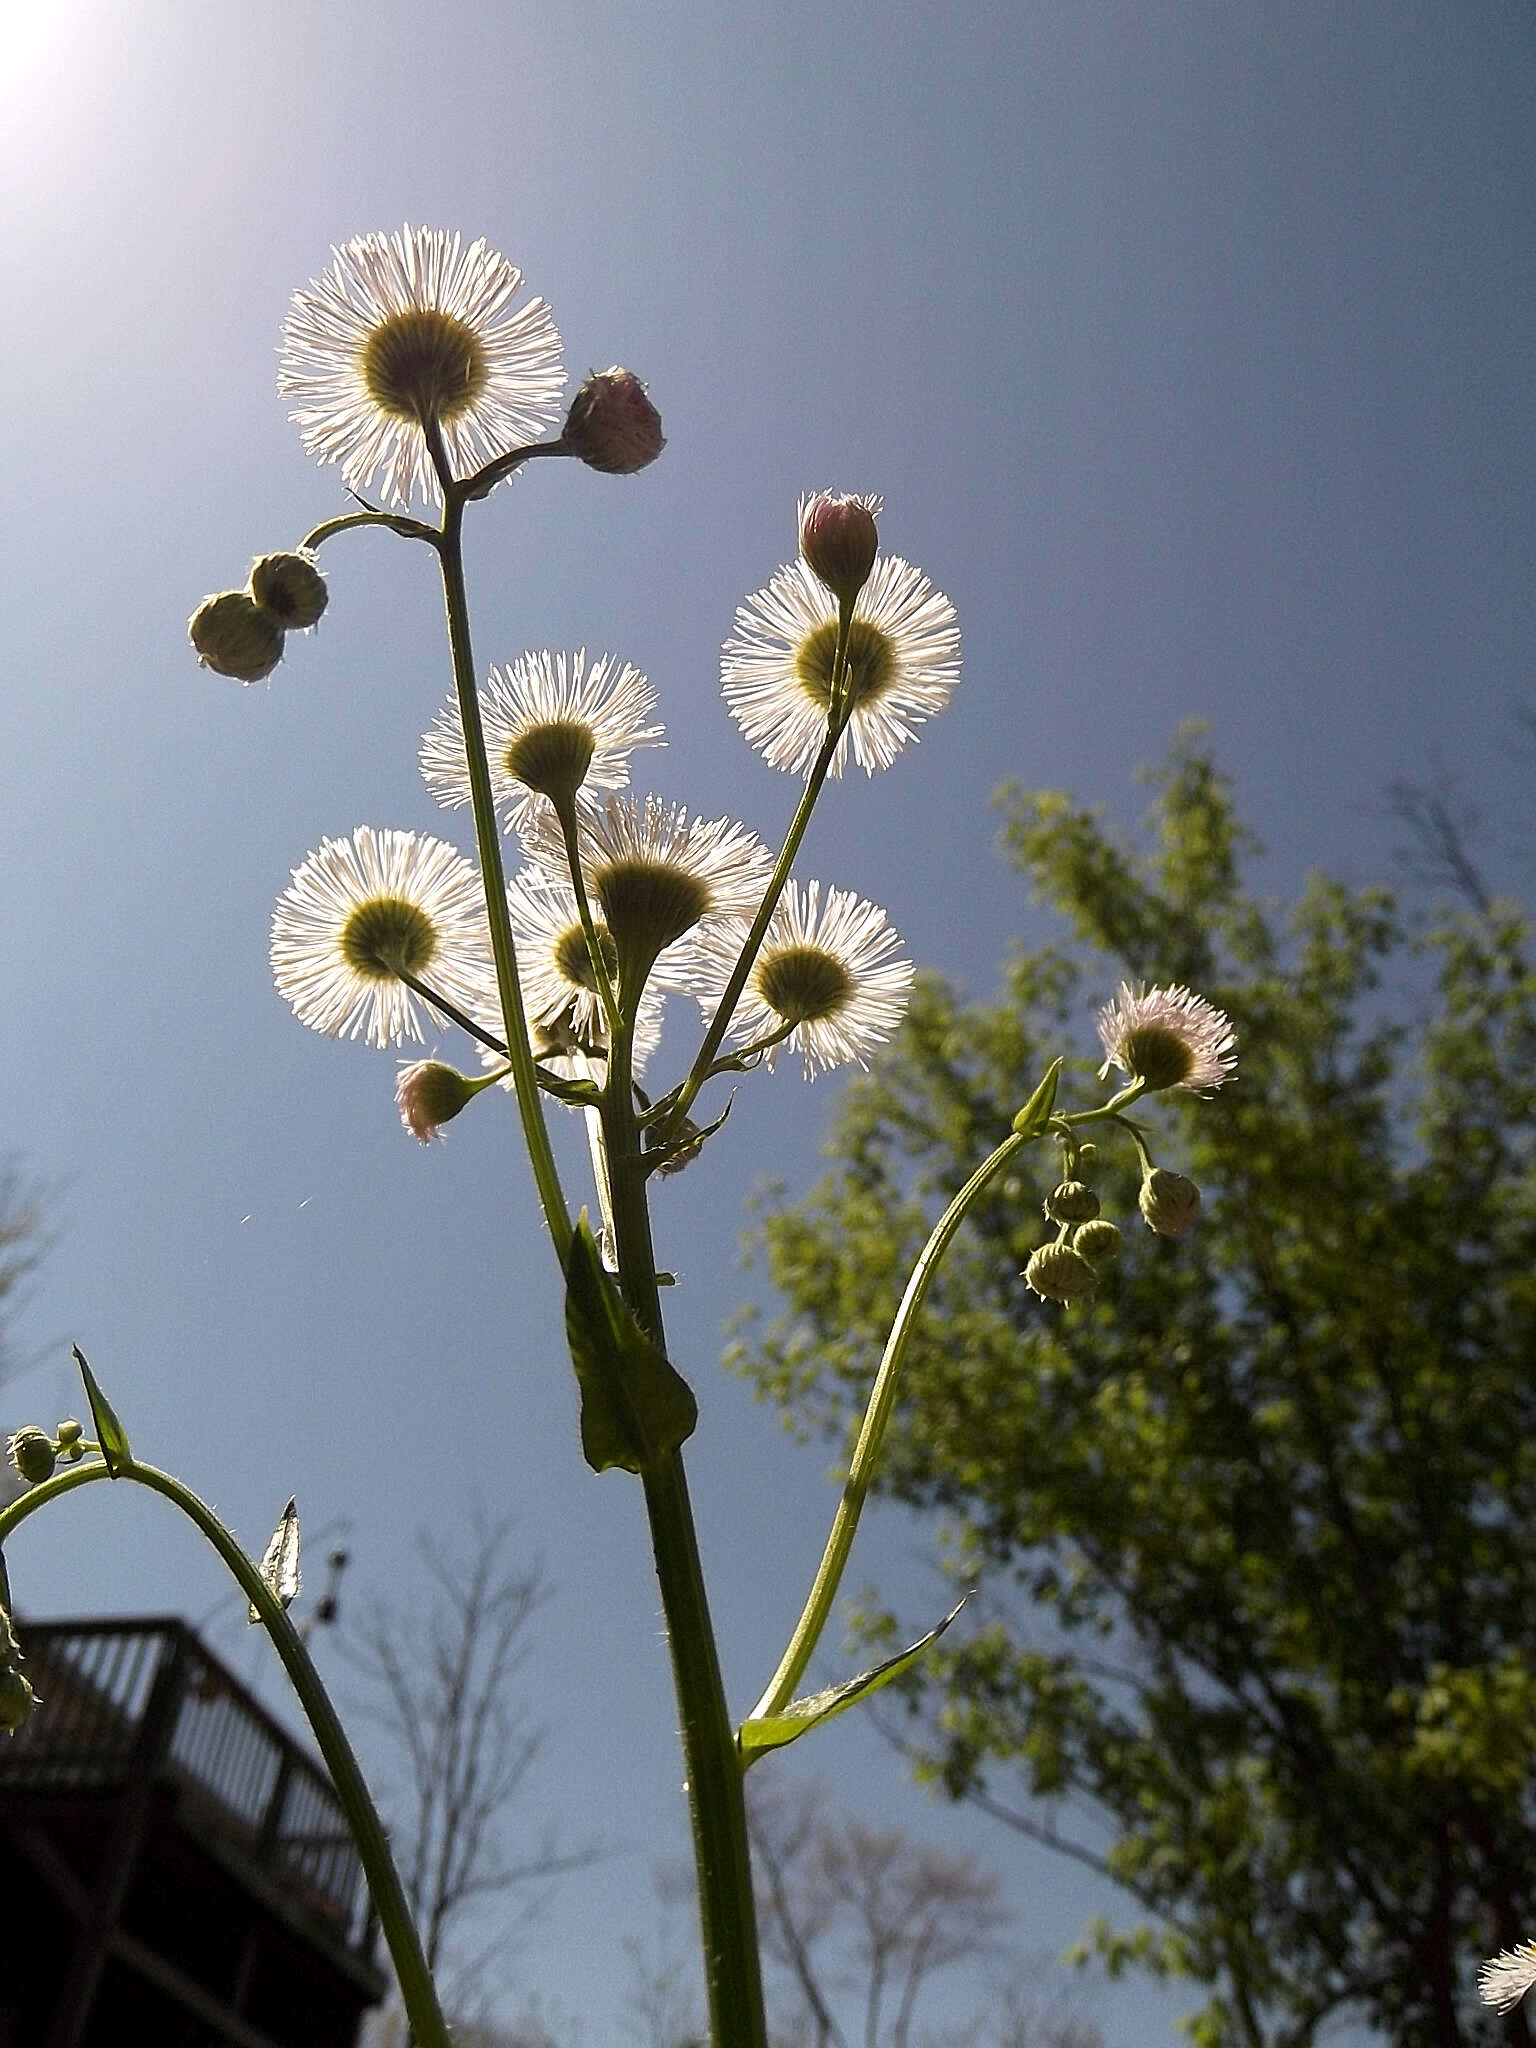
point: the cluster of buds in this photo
(34, 1453)
(1070, 1267)
(17, 1699)
(241, 633)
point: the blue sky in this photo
(1191, 348)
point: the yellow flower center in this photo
(648, 904)
(421, 365)
(386, 937)
(803, 983)
(1157, 1055)
(871, 662)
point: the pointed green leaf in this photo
(756, 1738)
(1036, 1113)
(110, 1433)
(279, 1565)
(5, 1587)
(634, 1406)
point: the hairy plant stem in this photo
(717, 1808)
(429, 2029)
(818, 1605)
(488, 844)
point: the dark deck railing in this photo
(243, 1783)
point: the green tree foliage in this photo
(1256, 1527)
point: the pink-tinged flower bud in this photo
(612, 425)
(234, 637)
(430, 1095)
(1169, 1202)
(1057, 1273)
(290, 589)
(839, 540)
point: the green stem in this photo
(716, 1803)
(725, 1009)
(488, 844)
(428, 2027)
(408, 529)
(829, 1572)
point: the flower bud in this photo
(612, 425)
(17, 1699)
(1073, 1202)
(1097, 1241)
(234, 637)
(1169, 1202)
(67, 1438)
(31, 1451)
(289, 588)
(430, 1094)
(1058, 1273)
(839, 541)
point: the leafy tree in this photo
(1256, 1526)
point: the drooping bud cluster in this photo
(612, 425)
(242, 633)
(17, 1699)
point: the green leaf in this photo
(279, 1565)
(634, 1406)
(756, 1738)
(1036, 1113)
(5, 1587)
(110, 1433)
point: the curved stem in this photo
(408, 529)
(845, 1522)
(428, 2027)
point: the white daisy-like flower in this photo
(358, 913)
(559, 987)
(657, 874)
(553, 724)
(407, 328)
(825, 967)
(1504, 1980)
(776, 668)
(1167, 1037)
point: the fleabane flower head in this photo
(409, 329)
(1168, 1038)
(566, 1020)
(776, 667)
(1505, 1979)
(553, 724)
(657, 875)
(359, 914)
(824, 967)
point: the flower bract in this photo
(658, 875)
(361, 912)
(1168, 1038)
(408, 329)
(825, 967)
(776, 667)
(553, 723)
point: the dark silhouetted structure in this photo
(174, 1868)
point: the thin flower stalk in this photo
(861, 1467)
(429, 2029)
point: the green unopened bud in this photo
(612, 425)
(1097, 1241)
(290, 589)
(1058, 1273)
(31, 1451)
(67, 1437)
(234, 637)
(839, 541)
(1072, 1202)
(430, 1094)
(1169, 1202)
(17, 1699)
